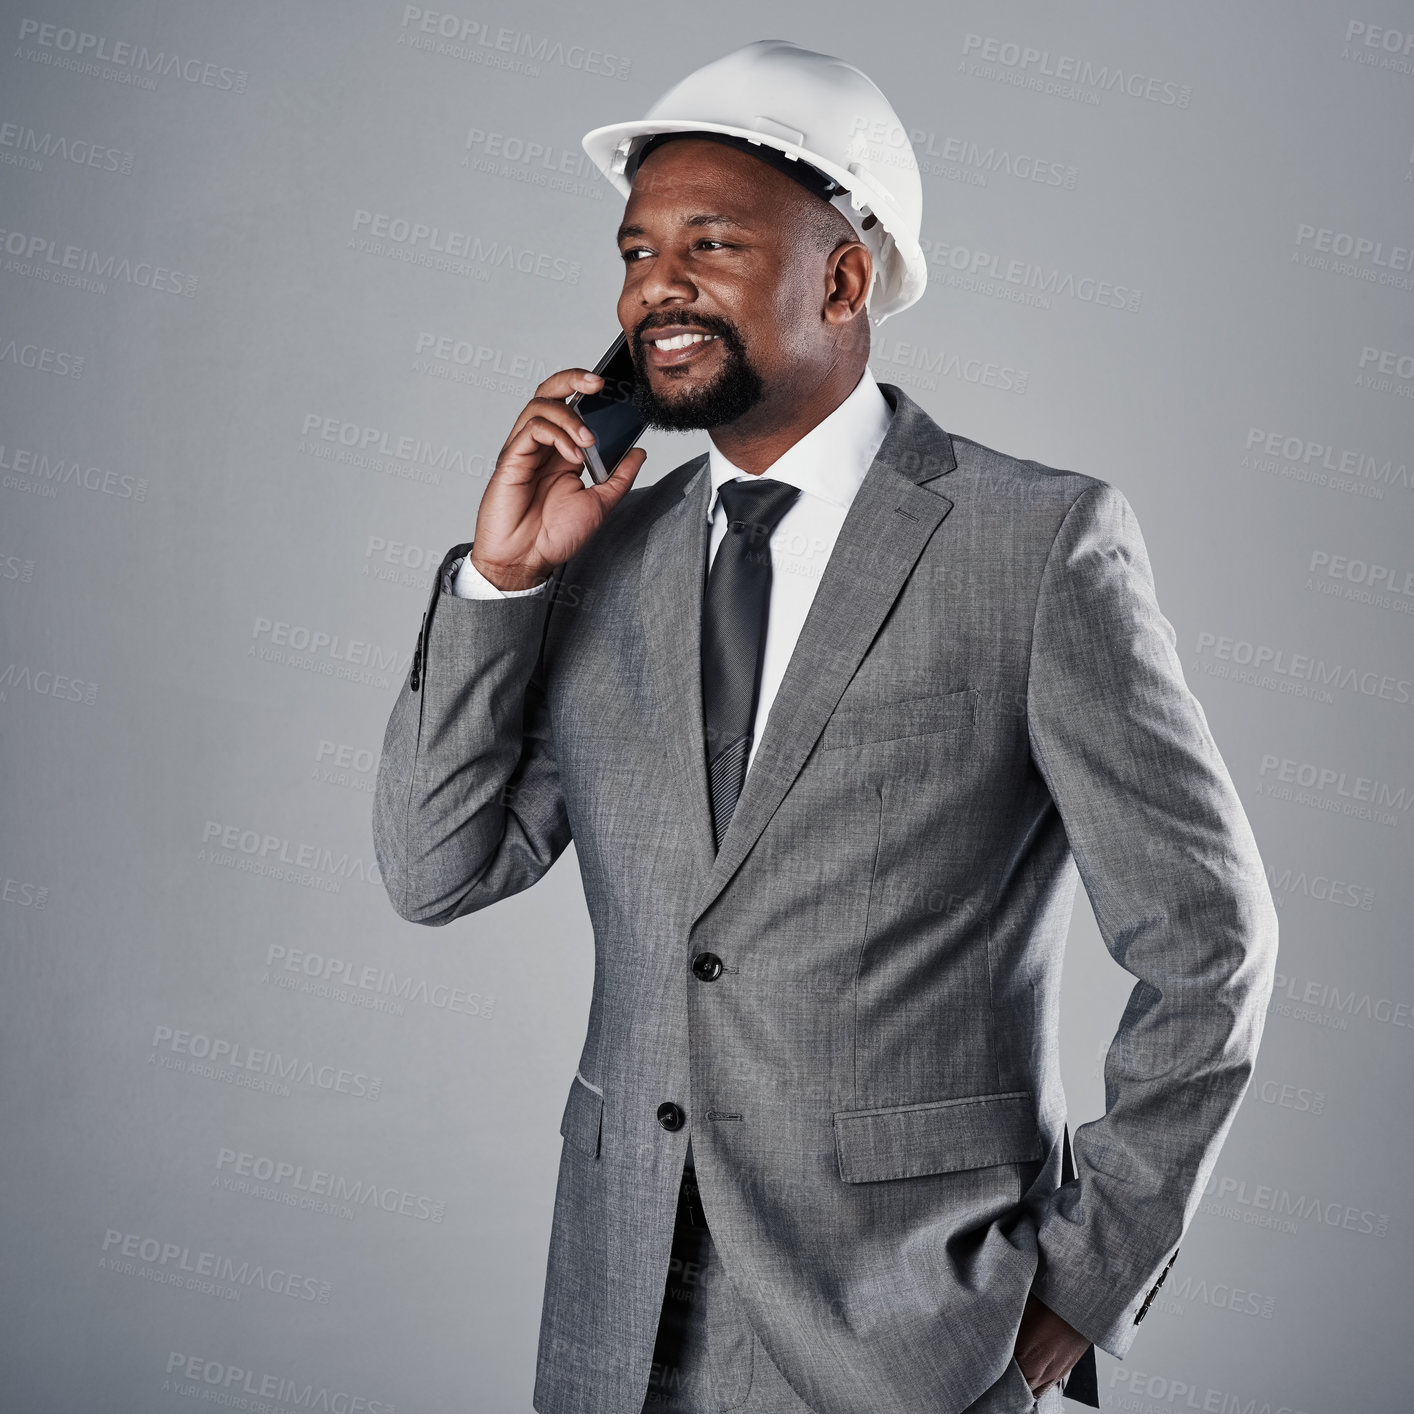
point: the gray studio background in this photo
(274, 281)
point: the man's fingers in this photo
(567, 381)
(549, 404)
(542, 432)
(553, 410)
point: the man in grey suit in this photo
(835, 746)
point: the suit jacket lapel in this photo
(887, 526)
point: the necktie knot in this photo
(755, 505)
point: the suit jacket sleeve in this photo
(1172, 871)
(467, 807)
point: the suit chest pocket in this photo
(950, 715)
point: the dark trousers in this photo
(675, 1380)
(707, 1357)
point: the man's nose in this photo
(667, 280)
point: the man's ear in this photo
(849, 271)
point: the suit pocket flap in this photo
(951, 712)
(580, 1123)
(938, 1136)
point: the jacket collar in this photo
(831, 460)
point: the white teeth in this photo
(681, 341)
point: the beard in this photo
(728, 394)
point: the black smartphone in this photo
(610, 413)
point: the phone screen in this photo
(610, 413)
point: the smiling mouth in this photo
(681, 348)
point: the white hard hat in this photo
(821, 111)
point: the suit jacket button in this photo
(670, 1116)
(707, 966)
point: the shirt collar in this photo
(831, 460)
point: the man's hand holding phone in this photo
(537, 512)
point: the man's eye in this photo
(637, 249)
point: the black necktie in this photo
(734, 612)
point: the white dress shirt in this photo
(828, 464)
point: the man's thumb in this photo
(616, 487)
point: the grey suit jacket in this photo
(984, 706)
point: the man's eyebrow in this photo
(709, 218)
